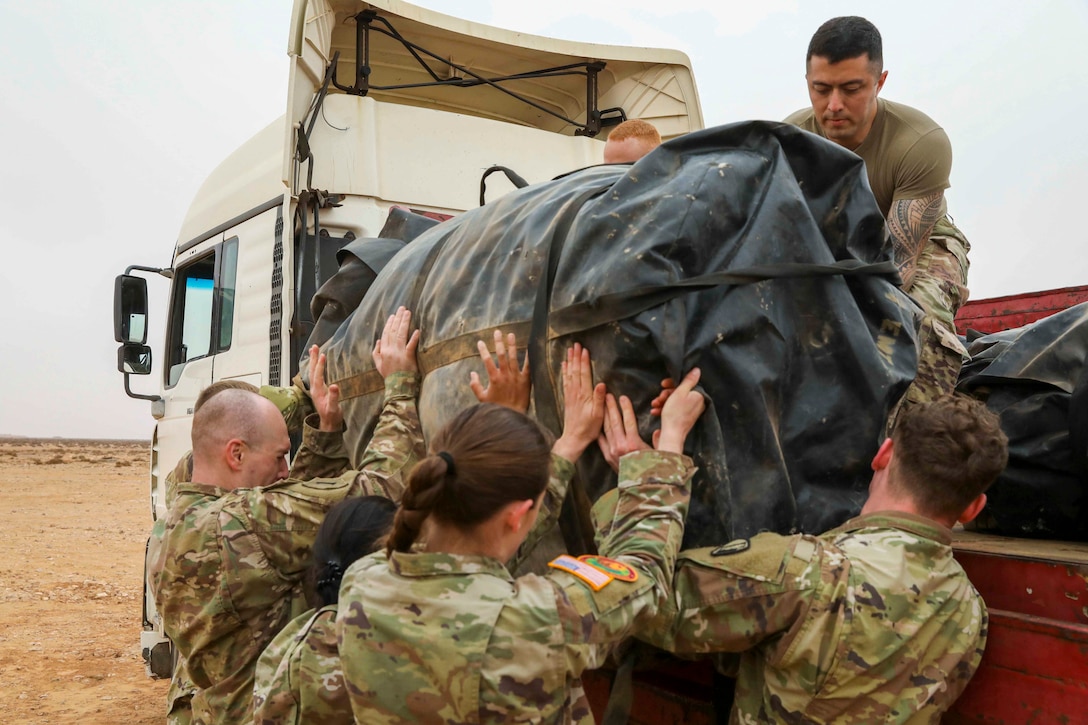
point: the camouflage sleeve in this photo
(648, 522)
(322, 453)
(562, 471)
(396, 445)
(730, 598)
(299, 678)
(293, 402)
(182, 473)
(287, 514)
(275, 680)
(643, 537)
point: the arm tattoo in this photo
(910, 222)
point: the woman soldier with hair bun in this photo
(298, 676)
(439, 631)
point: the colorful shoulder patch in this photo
(617, 569)
(591, 575)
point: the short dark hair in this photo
(847, 37)
(486, 457)
(351, 530)
(948, 451)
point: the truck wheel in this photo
(161, 661)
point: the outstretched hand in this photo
(583, 405)
(679, 413)
(395, 350)
(326, 398)
(507, 384)
(620, 435)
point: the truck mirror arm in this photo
(139, 396)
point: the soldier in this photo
(298, 677)
(874, 621)
(908, 159)
(235, 549)
(630, 141)
(441, 632)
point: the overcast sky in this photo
(112, 113)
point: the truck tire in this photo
(161, 661)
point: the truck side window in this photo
(228, 274)
(202, 311)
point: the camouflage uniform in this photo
(324, 459)
(299, 678)
(294, 402)
(871, 622)
(939, 287)
(230, 566)
(436, 637)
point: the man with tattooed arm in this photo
(908, 159)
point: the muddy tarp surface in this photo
(1036, 379)
(754, 251)
(359, 262)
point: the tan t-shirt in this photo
(907, 155)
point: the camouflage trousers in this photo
(939, 287)
(179, 698)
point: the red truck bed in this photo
(1035, 667)
(1004, 313)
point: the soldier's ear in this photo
(234, 453)
(973, 509)
(883, 456)
(516, 514)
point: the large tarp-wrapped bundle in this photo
(754, 251)
(1036, 379)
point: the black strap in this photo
(514, 178)
(621, 305)
(573, 520)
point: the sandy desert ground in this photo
(74, 519)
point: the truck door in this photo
(200, 321)
(247, 338)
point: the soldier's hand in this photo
(395, 350)
(680, 412)
(326, 398)
(507, 384)
(668, 385)
(620, 431)
(583, 405)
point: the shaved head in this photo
(240, 426)
(218, 387)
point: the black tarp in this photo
(754, 250)
(1034, 377)
(359, 262)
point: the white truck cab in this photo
(388, 105)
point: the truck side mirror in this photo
(134, 359)
(130, 313)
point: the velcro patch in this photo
(736, 546)
(591, 575)
(617, 569)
